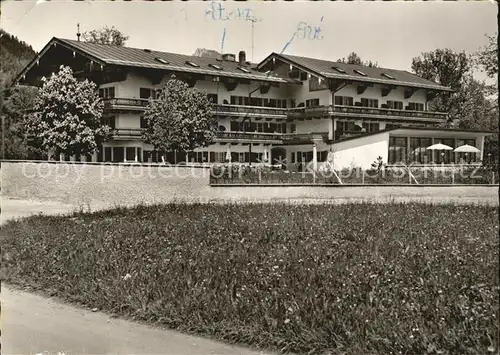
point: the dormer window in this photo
(215, 66)
(388, 76)
(192, 64)
(359, 72)
(340, 70)
(244, 70)
(162, 61)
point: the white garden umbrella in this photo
(439, 146)
(466, 149)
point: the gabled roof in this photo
(327, 69)
(145, 58)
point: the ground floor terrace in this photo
(397, 146)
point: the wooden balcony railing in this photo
(250, 110)
(235, 110)
(388, 112)
(260, 136)
(120, 102)
(126, 132)
(309, 111)
(290, 138)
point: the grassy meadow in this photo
(308, 279)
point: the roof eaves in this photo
(44, 50)
(388, 82)
(442, 129)
(196, 70)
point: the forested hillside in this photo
(14, 102)
(14, 55)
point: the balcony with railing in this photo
(250, 137)
(361, 111)
(367, 112)
(251, 111)
(222, 109)
(126, 133)
(129, 104)
(304, 138)
(310, 112)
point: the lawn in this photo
(349, 279)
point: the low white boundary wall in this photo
(99, 186)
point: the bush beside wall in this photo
(350, 279)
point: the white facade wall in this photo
(313, 126)
(361, 152)
(128, 120)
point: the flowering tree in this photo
(66, 115)
(180, 118)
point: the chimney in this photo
(242, 58)
(228, 57)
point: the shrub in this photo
(349, 279)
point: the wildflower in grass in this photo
(287, 321)
(126, 277)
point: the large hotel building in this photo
(296, 109)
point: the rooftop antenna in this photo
(253, 20)
(78, 32)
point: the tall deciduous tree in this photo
(487, 57)
(106, 35)
(180, 118)
(353, 58)
(66, 115)
(449, 69)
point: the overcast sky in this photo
(391, 33)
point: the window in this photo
(387, 76)
(192, 64)
(212, 98)
(346, 126)
(107, 154)
(292, 158)
(449, 155)
(303, 76)
(415, 106)
(145, 93)
(292, 103)
(107, 93)
(162, 61)
(244, 70)
(369, 102)
(293, 128)
(418, 152)
(316, 84)
(144, 123)
(340, 70)
(466, 157)
(215, 66)
(344, 101)
(312, 103)
(359, 72)
(109, 121)
(130, 151)
(235, 126)
(392, 125)
(395, 105)
(397, 149)
(371, 126)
